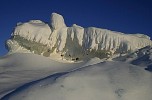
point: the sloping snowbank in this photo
(141, 57)
(102, 81)
(18, 69)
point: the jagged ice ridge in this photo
(40, 38)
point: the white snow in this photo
(15, 47)
(141, 57)
(102, 81)
(142, 36)
(34, 30)
(57, 21)
(20, 68)
(57, 37)
(59, 76)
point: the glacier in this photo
(75, 41)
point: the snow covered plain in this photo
(56, 62)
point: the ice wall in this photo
(75, 40)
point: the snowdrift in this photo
(20, 68)
(102, 81)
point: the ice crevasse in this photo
(42, 38)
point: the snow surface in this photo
(34, 30)
(141, 57)
(75, 41)
(57, 21)
(18, 69)
(71, 67)
(34, 77)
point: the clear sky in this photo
(128, 16)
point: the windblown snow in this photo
(98, 81)
(76, 41)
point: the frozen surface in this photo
(26, 76)
(141, 57)
(71, 67)
(57, 21)
(102, 81)
(18, 69)
(75, 41)
(34, 30)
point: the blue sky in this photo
(128, 16)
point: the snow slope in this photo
(20, 68)
(141, 57)
(26, 76)
(102, 81)
(40, 38)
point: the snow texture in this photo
(57, 21)
(27, 76)
(141, 57)
(20, 68)
(34, 30)
(76, 40)
(102, 81)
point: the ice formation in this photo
(76, 41)
(35, 77)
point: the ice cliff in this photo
(42, 38)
